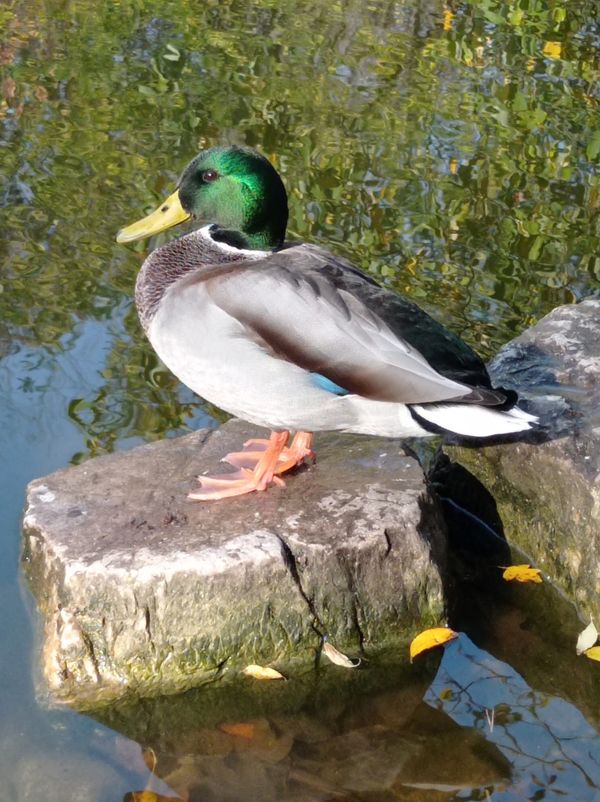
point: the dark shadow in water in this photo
(476, 547)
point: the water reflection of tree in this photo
(138, 398)
(553, 750)
(447, 149)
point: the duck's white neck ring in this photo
(246, 253)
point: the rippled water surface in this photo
(452, 150)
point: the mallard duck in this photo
(292, 337)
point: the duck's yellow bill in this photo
(169, 213)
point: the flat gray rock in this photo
(548, 493)
(143, 591)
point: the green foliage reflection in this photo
(450, 149)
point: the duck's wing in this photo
(305, 306)
(443, 350)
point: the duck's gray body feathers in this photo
(256, 332)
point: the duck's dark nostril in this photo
(165, 209)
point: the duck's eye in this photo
(210, 175)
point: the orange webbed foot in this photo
(251, 453)
(259, 464)
(237, 483)
(299, 450)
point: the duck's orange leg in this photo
(300, 449)
(245, 480)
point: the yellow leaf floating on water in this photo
(431, 638)
(521, 573)
(593, 653)
(338, 657)
(240, 730)
(261, 672)
(587, 638)
(552, 49)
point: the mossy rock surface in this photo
(144, 592)
(548, 490)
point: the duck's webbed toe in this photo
(237, 483)
(299, 450)
(259, 464)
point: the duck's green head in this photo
(235, 188)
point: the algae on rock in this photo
(144, 591)
(548, 490)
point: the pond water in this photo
(449, 148)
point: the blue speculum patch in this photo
(326, 384)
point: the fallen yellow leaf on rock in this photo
(587, 638)
(521, 573)
(241, 730)
(593, 653)
(261, 672)
(149, 756)
(431, 638)
(338, 657)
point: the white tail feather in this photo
(474, 421)
(516, 412)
